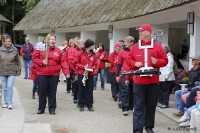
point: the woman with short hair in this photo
(10, 67)
(166, 79)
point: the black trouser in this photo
(145, 100)
(47, 86)
(69, 83)
(127, 95)
(114, 85)
(85, 93)
(75, 86)
(192, 95)
(165, 88)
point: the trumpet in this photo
(87, 70)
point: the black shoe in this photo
(25, 78)
(90, 109)
(78, 106)
(164, 106)
(33, 97)
(115, 98)
(75, 101)
(81, 109)
(65, 81)
(149, 131)
(68, 91)
(52, 112)
(72, 94)
(59, 80)
(40, 112)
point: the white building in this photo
(91, 19)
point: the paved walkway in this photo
(107, 117)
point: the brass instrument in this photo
(47, 48)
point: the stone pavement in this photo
(107, 117)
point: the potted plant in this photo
(181, 77)
(106, 73)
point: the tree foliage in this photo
(3, 2)
(29, 4)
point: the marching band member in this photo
(102, 56)
(145, 87)
(47, 72)
(79, 47)
(86, 59)
(69, 84)
(71, 55)
(126, 90)
(113, 65)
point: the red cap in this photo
(146, 27)
(118, 45)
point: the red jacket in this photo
(33, 72)
(56, 61)
(71, 57)
(113, 62)
(123, 54)
(137, 55)
(83, 59)
(66, 54)
(102, 61)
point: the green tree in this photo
(29, 4)
(3, 2)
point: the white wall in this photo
(33, 38)
(88, 35)
(118, 34)
(194, 40)
(60, 37)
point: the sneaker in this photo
(90, 109)
(159, 104)
(115, 98)
(130, 111)
(184, 118)
(33, 97)
(10, 107)
(102, 88)
(81, 109)
(164, 106)
(94, 88)
(75, 101)
(120, 104)
(185, 124)
(125, 113)
(5, 106)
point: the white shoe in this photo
(10, 107)
(5, 106)
(125, 113)
(184, 118)
(185, 124)
(130, 111)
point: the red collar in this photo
(146, 43)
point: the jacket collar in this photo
(4, 48)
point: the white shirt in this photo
(167, 71)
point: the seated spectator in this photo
(195, 116)
(193, 77)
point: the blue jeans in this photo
(189, 111)
(27, 66)
(34, 87)
(179, 102)
(7, 86)
(101, 71)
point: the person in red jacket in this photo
(71, 55)
(86, 59)
(33, 77)
(78, 49)
(102, 56)
(69, 84)
(47, 72)
(145, 87)
(126, 98)
(113, 69)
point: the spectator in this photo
(102, 56)
(10, 68)
(26, 51)
(194, 76)
(166, 79)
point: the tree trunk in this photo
(13, 20)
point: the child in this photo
(33, 77)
